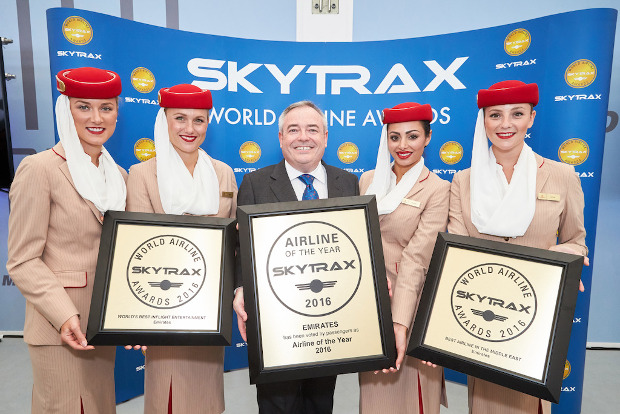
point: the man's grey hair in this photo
(299, 104)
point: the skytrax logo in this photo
(494, 302)
(582, 97)
(171, 276)
(129, 99)
(507, 65)
(72, 53)
(396, 80)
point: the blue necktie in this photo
(310, 192)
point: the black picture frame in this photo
(7, 169)
(258, 224)
(500, 322)
(110, 291)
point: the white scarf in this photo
(103, 186)
(389, 194)
(499, 208)
(179, 191)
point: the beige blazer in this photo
(194, 373)
(562, 219)
(53, 245)
(143, 193)
(555, 221)
(408, 236)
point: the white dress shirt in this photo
(319, 183)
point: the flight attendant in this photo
(58, 199)
(183, 179)
(413, 207)
(502, 198)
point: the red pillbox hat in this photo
(92, 83)
(408, 111)
(185, 96)
(508, 92)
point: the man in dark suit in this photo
(301, 175)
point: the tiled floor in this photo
(601, 388)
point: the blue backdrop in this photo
(253, 81)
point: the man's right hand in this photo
(242, 317)
(71, 334)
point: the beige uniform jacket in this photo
(408, 236)
(195, 372)
(557, 219)
(53, 246)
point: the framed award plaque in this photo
(163, 280)
(499, 312)
(315, 289)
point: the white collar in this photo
(318, 173)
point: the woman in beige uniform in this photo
(58, 199)
(502, 197)
(183, 179)
(413, 207)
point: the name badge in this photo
(411, 203)
(549, 197)
(227, 194)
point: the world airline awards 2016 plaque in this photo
(163, 280)
(315, 289)
(498, 311)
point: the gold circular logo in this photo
(77, 30)
(566, 369)
(486, 320)
(170, 277)
(517, 42)
(574, 151)
(451, 152)
(142, 80)
(144, 149)
(322, 280)
(348, 152)
(249, 152)
(580, 73)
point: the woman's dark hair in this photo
(426, 126)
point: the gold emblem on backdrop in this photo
(77, 30)
(574, 151)
(250, 152)
(142, 80)
(580, 73)
(348, 152)
(566, 369)
(451, 152)
(517, 42)
(144, 149)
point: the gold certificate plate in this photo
(499, 312)
(315, 289)
(163, 280)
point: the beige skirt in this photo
(196, 374)
(488, 398)
(64, 377)
(400, 392)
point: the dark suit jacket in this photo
(272, 184)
